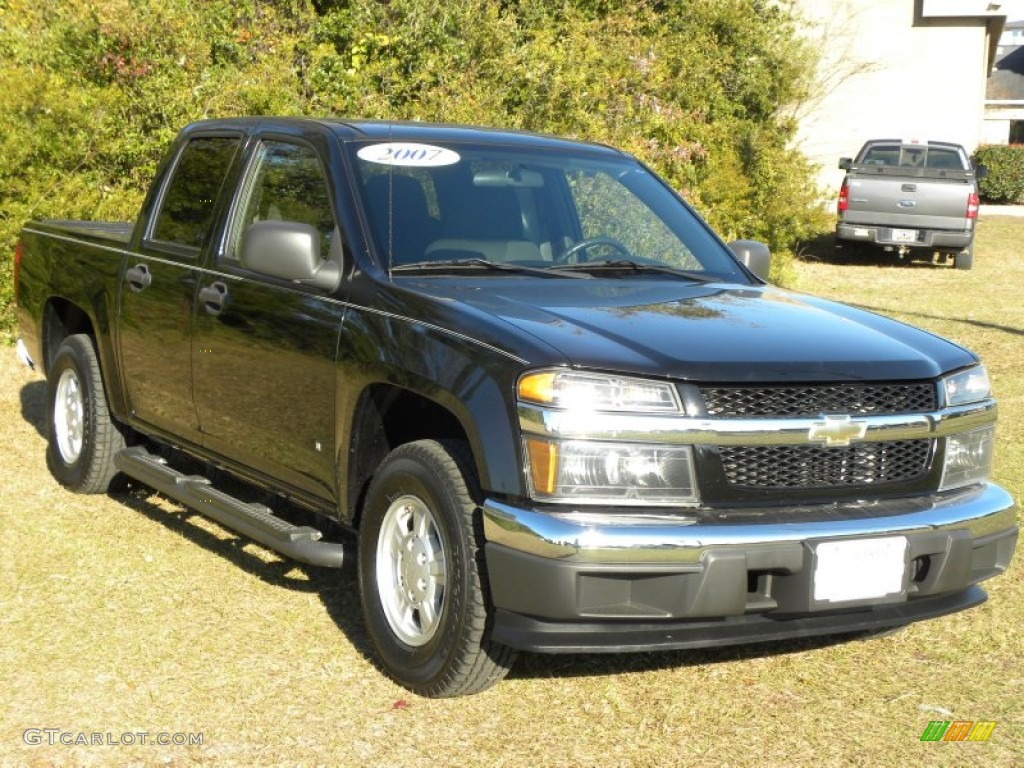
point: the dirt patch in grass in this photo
(129, 614)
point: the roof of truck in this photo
(400, 130)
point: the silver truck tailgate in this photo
(920, 203)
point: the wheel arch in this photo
(61, 318)
(387, 416)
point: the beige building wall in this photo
(883, 76)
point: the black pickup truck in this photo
(556, 410)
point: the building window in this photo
(1017, 131)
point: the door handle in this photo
(138, 277)
(214, 297)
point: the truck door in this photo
(159, 284)
(265, 348)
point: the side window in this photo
(186, 212)
(286, 182)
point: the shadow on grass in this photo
(964, 320)
(531, 666)
(33, 405)
(826, 249)
(338, 589)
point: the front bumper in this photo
(589, 581)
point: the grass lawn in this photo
(128, 613)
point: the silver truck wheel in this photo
(422, 576)
(82, 438)
(411, 571)
(69, 416)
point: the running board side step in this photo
(255, 521)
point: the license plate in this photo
(904, 235)
(860, 569)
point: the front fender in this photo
(471, 380)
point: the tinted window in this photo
(186, 214)
(286, 182)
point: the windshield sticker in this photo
(404, 153)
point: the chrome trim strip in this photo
(636, 427)
(77, 241)
(683, 538)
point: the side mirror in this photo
(288, 250)
(980, 171)
(755, 256)
(845, 163)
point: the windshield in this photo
(461, 204)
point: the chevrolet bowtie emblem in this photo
(837, 431)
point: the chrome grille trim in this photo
(688, 430)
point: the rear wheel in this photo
(422, 575)
(965, 258)
(82, 439)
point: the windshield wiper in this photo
(497, 266)
(639, 267)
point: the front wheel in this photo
(82, 438)
(422, 576)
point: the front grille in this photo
(813, 400)
(812, 466)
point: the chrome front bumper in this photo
(590, 581)
(602, 537)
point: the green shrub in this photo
(94, 90)
(1005, 180)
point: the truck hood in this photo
(705, 332)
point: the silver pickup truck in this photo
(911, 198)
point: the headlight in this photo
(597, 392)
(623, 473)
(968, 386)
(968, 458)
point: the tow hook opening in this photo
(919, 568)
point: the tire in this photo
(422, 575)
(82, 439)
(965, 258)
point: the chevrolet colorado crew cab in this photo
(911, 198)
(558, 413)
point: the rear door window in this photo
(190, 197)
